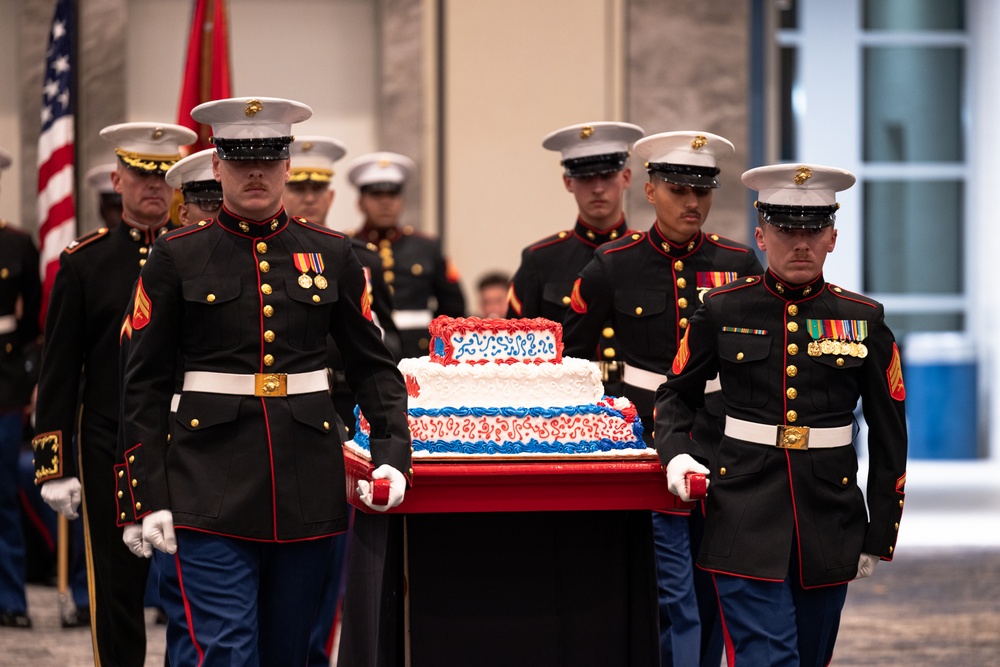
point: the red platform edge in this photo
(533, 486)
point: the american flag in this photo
(56, 207)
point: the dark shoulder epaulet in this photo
(851, 296)
(723, 242)
(627, 241)
(181, 232)
(739, 284)
(86, 240)
(308, 224)
(558, 237)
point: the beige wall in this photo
(10, 120)
(514, 71)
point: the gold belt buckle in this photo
(270, 384)
(609, 371)
(793, 437)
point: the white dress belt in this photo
(8, 324)
(788, 436)
(412, 319)
(638, 377)
(256, 384)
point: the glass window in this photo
(913, 104)
(790, 94)
(900, 15)
(913, 237)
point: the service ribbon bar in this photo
(856, 330)
(709, 279)
(755, 332)
(308, 261)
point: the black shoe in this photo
(14, 619)
(78, 619)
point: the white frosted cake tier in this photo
(433, 385)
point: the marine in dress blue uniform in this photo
(241, 494)
(20, 297)
(109, 202)
(649, 286)
(787, 525)
(595, 158)
(424, 283)
(80, 380)
(309, 194)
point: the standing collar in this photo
(671, 249)
(253, 228)
(595, 237)
(141, 233)
(793, 292)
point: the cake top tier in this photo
(472, 340)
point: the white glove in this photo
(397, 487)
(678, 467)
(132, 537)
(62, 495)
(866, 565)
(158, 531)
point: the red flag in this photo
(56, 207)
(206, 75)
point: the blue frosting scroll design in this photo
(503, 346)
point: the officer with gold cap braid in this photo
(20, 297)
(787, 526)
(648, 284)
(424, 283)
(90, 294)
(241, 492)
(595, 158)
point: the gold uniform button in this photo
(793, 309)
(792, 415)
(143, 250)
(138, 507)
(609, 353)
(837, 289)
(411, 472)
(202, 223)
(131, 459)
(840, 361)
(591, 235)
(793, 327)
(791, 371)
(316, 298)
(683, 323)
(389, 276)
(890, 548)
(142, 262)
(326, 426)
(792, 393)
(121, 473)
(682, 283)
(793, 349)
(120, 494)
(722, 472)
(265, 288)
(682, 303)
(678, 265)
(739, 356)
(897, 526)
(123, 516)
(264, 266)
(901, 504)
(269, 336)
(262, 247)
(194, 423)
(417, 269)
(844, 481)
(638, 310)
(4, 273)
(268, 311)
(210, 298)
(714, 237)
(268, 359)
(423, 343)
(563, 235)
(608, 332)
(565, 300)
(135, 483)
(244, 227)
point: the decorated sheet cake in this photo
(501, 388)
